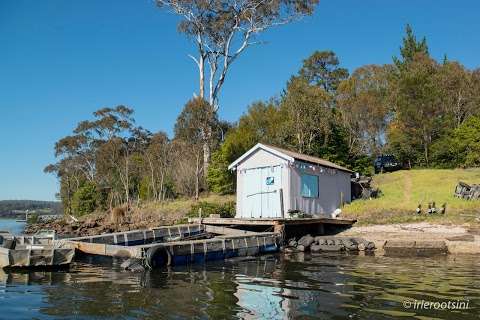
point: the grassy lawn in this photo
(402, 191)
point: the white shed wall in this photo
(330, 189)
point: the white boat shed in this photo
(272, 182)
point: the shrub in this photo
(33, 218)
(225, 210)
(220, 180)
(460, 148)
(85, 199)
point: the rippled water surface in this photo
(326, 286)
(12, 226)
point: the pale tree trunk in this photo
(162, 192)
(426, 143)
(201, 70)
(197, 178)
(200, 62)
(152, 177)
(426, 154)
(213, 63)
(206, 157)
(207, 138)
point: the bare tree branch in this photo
(223, 29)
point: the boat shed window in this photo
(309, 186)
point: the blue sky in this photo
(60, 60)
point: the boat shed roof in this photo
(287, 155)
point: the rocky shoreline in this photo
(98, 223)
(328, 244)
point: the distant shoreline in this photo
(12, 216)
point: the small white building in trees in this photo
(273, 182)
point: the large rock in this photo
(301, 248)
(350, 245)
(315, 248)
(292, 243)
(321, 240)
(306, 240)
(370, 246)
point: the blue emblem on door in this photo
(270, 181)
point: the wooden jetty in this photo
(286, 226)
(180, 244)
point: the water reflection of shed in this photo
(271, 182)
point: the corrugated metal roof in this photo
(307, 158)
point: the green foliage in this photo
(144, 190)
(225, 210)
(33, 218)
(418, 105)
(322, 69)
(196, 121)
(364, 107)
(400, 144)
(85, 200)
(362, 164)
(460, 148)
(467, 141)
(410, 48)
(220, 180)
(307, 116)
(431, 101)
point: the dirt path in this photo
(407, 188)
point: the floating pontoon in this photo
(180, 244)
(37, 251)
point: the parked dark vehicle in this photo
(386, 163)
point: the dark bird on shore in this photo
(434, 209)
(419, 209)
(429, 211)
(443, 208)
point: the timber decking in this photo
(272, 221)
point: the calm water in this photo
(12, 226)
(268, 287)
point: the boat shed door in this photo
(262, 192)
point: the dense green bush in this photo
(460, 148)
(33, 218)
(85, 200)
(225, 210)
(220, 180)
